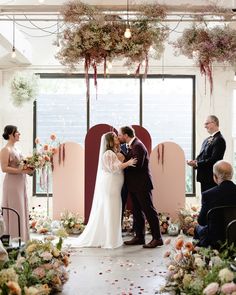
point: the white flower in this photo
(226, 275)
(199, 262)
(216, 261)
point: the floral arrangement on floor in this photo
(208, 45)
(94, 37)
(188, 220)
(24, 87)
(39, 269)
(194, 271)
(127, 225)
(72, 222)
(42, 224)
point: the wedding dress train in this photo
(104, 225)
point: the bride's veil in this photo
(98, 185)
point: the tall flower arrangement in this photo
(207, 46)
(95, 37)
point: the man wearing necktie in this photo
(212, 150)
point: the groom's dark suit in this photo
(212, 150)
(139, 184)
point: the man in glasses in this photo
(212, 150)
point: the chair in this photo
(231, 233)
(218, 219)
(9, 247)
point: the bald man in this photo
(224, 194)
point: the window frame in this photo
(123, 76)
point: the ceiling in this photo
(30, 14)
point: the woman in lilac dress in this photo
(14, 185)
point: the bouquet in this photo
(72, 222)
(42, 155)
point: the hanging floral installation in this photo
(95, 37)
(207, 46)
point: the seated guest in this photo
(224, 194)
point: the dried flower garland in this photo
(207, 46)
(96, 37)
(24, 87)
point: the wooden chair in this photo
(218, 219)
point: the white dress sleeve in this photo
(110, 162)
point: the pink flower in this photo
(39, 272)
(167, 241)
(167, 254)
(228, 288)
(53, 136)
(211, 289)
(37, 140)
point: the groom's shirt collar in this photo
(130, 142)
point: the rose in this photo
(211, 289)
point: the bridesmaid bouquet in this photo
(42, 155)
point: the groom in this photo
(139, 184)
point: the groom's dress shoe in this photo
(153, 244)
(135, 241)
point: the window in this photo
(168, 116)
(165, 107)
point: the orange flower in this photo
(194, 209)
(53, 136)
(14, 287)
(65, 260)
(189, 246)
(46, 147)
(190, 231)
(179, 244)
(37, 140)
(43, 231)
(47, 158)
(54, 150)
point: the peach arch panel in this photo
(167, 164)
(68, 181)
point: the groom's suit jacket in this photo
(212, 150)
(138, 178)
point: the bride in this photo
(104, 225)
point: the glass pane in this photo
(167, 114)
(117, 102)
(61, 109)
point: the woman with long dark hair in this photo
(14, 184)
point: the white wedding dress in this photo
(104, 225)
